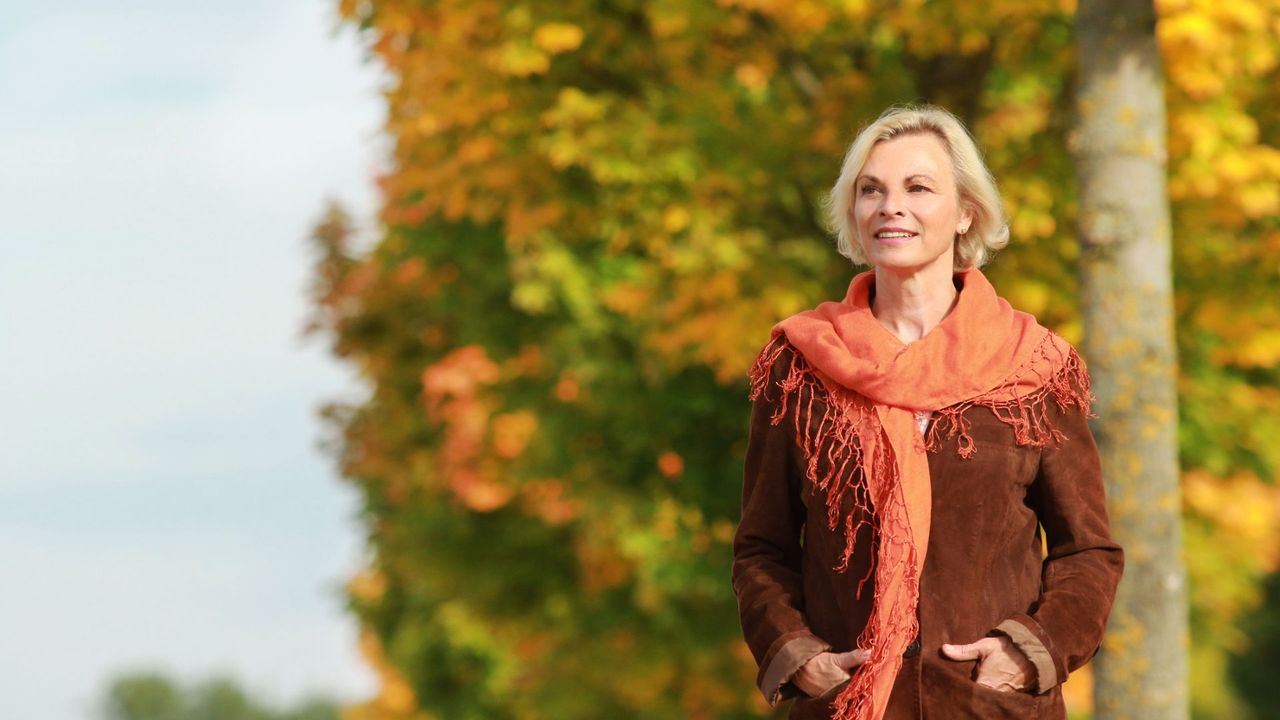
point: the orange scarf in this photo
(982, 353)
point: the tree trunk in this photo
(1128, 314)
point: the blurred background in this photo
(164, 507)
(387, 358)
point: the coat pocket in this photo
(989, 703)
(948, 693)
(816, 708)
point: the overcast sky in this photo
(162, 501)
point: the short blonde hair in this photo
(989, 230)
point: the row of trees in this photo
(595, 211)
(156, 696)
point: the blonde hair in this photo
(987, 232)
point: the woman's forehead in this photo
(907, 156)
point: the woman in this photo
(907, 446)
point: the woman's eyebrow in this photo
(909, 178)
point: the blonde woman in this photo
(914, 447)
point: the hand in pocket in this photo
(826, 670)
(1001, 665)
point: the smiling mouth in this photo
(894, 235)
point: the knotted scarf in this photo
(856, 387)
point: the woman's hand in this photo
(827, 670)
(1001, 665)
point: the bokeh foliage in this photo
(592, 214)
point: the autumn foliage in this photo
(594, 212)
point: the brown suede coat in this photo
(985, 572)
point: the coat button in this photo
(913, 649)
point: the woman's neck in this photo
(912, 305)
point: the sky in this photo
(164, 504)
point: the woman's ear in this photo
(966, 220)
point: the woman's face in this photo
(906, 206)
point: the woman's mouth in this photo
(894, 237)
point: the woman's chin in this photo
(906, 263)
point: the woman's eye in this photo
(918, 188)
(868, 189)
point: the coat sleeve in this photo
(1082, 568)
(767, 565)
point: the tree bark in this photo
(1127, 299)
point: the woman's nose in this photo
(889, 204)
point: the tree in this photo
(1127, 288)
(155, 696)
(143, 697)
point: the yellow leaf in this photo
(521, 60)
(512, 432)
(751, 76)
(675, 219)
(557, 37)
(1262, 350)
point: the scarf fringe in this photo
(1027, 415)
(846, 440)
(832, 442)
